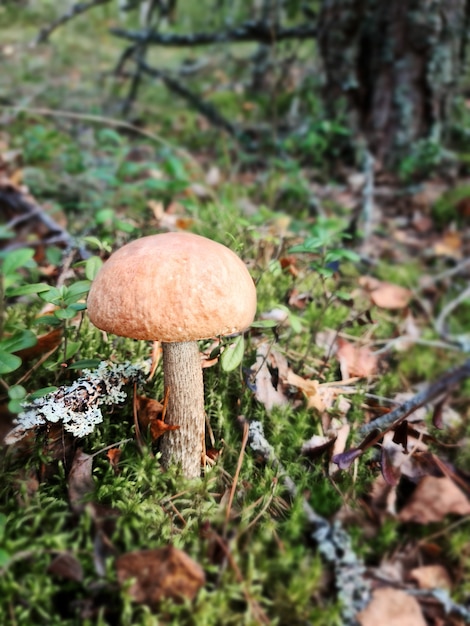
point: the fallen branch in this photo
(250, 31)
(75, 9)
(333, 542)
(438, 387)
(206, 108)
(15, 202)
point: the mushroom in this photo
(176, 288)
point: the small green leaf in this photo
(4, 558)
(27, 290)
(92, 267)
(233, 354)
(40, 393)
(76, 291)
(17, 392)
(8, 362)
(104, 215)
(88, 364)
(14, 406)
(15, 259)
(19, 341)
(72, 348)
(65, 314)
(264, 324)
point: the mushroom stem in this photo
(184, 384)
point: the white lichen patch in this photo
(77, 407)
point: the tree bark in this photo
(185, 388)
(392, 66)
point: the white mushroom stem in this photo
(185, 388)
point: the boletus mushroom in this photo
(176, 288)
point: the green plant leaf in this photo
(92, 267)
(17, 392)
(16, 259)
(264, 324)
(27, 290)
(19, 341)
(72, 348)
(233, 354)
(40, 393)
(8, 362)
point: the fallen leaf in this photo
(158, 574)
(66, 565)
(431, 577)
(150, 414)
(391, 607)
(269, 369)
(355, 360)
(385, 295)
(80, 480)
(114, 454)
(433, 499)
(450, 245)
(159, 428)
(316, 446)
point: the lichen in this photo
(77, 406)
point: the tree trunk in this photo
(392, 66)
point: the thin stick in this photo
(441, 385)
(75, 9)
(236, 476)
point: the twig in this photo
(28, 209)
(441, 385)
(252, 31)
(206, 108)
(236, 476)
(440, 322)
(75, 9)
(333, 542)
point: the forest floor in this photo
(336, 478)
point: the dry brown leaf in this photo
(391, 607)
(431, 577)
(66, 565)
(450, 245)
(270, 369)
(355, 360)
(433, 499)
(158, 574)
(80, 480)
(114, 454)
(150, 414)
(385, 295)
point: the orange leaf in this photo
(158, 574)
(159, 428)
(114, 455)
(385, 295)
(355, 360)
(150, 414)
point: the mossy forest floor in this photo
(347, 329)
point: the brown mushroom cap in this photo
(172, 287)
